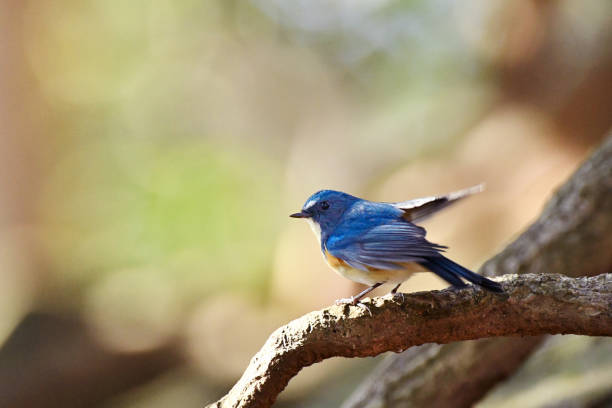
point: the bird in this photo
(377, 243)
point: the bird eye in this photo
(324, 205)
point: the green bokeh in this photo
(204, 214)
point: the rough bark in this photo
(532, 305)
(571, 237)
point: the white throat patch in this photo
(316, 228)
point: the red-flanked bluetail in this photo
(375, 243)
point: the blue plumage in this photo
(375, 243)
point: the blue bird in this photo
(375, 242)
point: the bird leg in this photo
(354, 300)
(394, 292)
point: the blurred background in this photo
(151, 152)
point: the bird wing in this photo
(383, 246)
(420, 208)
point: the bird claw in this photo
(397, 296)
(364, 307)
(353, 302)
(346, 301)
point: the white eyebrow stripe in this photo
(310, 204)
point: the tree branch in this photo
(571, 237)
(532, 305)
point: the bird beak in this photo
(301, 214)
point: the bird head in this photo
(325, 208)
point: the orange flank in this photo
(333, 261)
(373, 275)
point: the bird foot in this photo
(354, 302)
(347, 301)
(397, 296)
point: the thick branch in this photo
(532, 305)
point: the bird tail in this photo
(452, 272)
